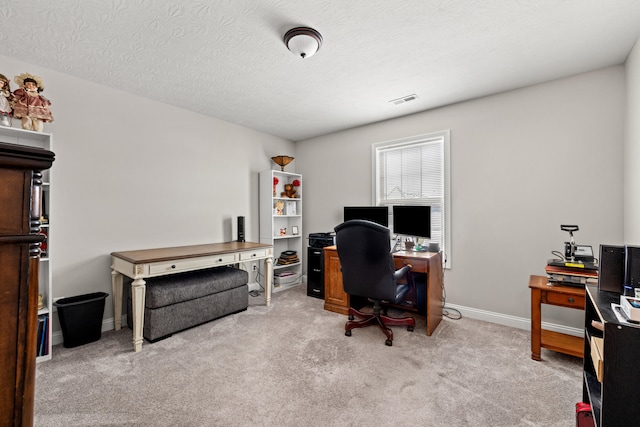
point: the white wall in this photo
(523, 162)
(132, 173)
(632, 150)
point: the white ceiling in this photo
(226, 58)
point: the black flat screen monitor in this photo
(377, 214)
(412, 221)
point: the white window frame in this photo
(444, 137)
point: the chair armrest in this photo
(402, 271)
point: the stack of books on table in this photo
(572, 274)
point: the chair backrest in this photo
(366, 260)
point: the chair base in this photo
(377, 318)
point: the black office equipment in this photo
(315, 262)
(315, 272)
(240, 229)
(611, 268)
(377, 214)
(412, 220)
(632, 266)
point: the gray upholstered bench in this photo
(180, 301)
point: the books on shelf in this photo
(42, 344)
(287, 258)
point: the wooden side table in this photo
(558, 295)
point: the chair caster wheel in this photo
(389, 343)
(347, 333)
(410, 328)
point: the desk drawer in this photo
(564, 300)
(417, 265)
(191, 264)
(257, 254)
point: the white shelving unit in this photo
(18, 136)
(282, 229)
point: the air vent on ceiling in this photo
(404, 99)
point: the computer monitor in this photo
(412, 220)
(377, 214)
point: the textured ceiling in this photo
(226, 58)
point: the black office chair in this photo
(368, 271)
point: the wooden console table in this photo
(429, 263)
(143, 264)
(559, 295)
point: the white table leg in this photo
(268, 276)
(138, 288)
(116, 287)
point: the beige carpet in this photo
(291, 365)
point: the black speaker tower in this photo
(240, 229)
(611, 275)
(632, 267)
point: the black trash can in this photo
(81, 318)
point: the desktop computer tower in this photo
(611, 269)
(315, 272)
(632, 267)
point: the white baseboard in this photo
(255, 286)
(513, 321)
(473, 313)
(107, 325)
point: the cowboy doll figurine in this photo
(28, 104)
(5, 101)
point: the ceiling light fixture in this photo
(303, 41)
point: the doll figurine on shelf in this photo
(28, 104)
(5, 101)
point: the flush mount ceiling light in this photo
(303, 41)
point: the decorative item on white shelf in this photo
(291, 208)
(279, 207)
(283, 231)
(289, 191)
(296, 186)
(28, 105)
(5, 101)
(282, 160)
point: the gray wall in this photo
(523, 162)
(632, 150)
(131, 173)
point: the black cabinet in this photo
(614, 399)
(315, 272)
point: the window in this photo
(415, 171)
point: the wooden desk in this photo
(429, 263)
(143, 264)
(559, 295)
